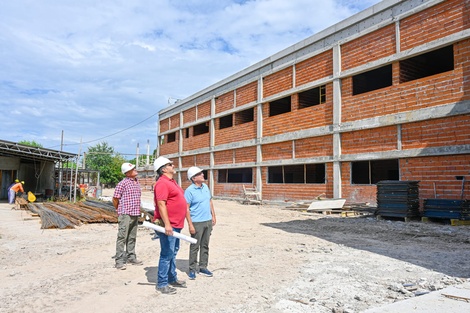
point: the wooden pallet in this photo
(451, 221)
(455, 222)
(397, 218)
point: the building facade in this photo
(382, 95)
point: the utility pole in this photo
(60, 164)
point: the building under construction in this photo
(382, 95)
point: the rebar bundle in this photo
(67, 215)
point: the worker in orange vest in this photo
(14, 190)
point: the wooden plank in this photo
(455, 222)
(322, 205)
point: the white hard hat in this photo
(159, 162)
(193, 171)
(126, 167)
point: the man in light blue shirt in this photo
(201, 218)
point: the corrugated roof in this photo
(13, 149)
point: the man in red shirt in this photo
(170, 212)
(126, 200)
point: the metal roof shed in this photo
(34, 165)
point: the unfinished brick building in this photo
(382, 95)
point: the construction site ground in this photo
(264, 259)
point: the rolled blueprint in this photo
(175, 234)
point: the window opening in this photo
(235, 175)
(372, 80)
(244, 116)
(279, 106)
(312, 97)
(171, 137)
(200, 129)
(297, 174)
(226, 121)
(186, 133)
(427, 64)
(371, 172)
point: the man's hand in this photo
(168, 230)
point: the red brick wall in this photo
(441, 171)
(236, 133)
(378, 44)
(174, 121)
(277, 82)
(247, 154)
(369, 140)
(169, 148)
(435, 133)
(233, 190)
(242, 155)
(204, 110)
(224, 102)
(314, 147)
(296, 192)
(299, 119)
(277, 151)
(224, 157)
(413, 95)
(164, 125)
(356, 193)
(189, 115)
(436, 22)
(247, 93)
(228, 190)
(188, 161)
(196, 142)
(317, 67)
(202, 160)
(462, 68)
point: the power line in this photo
(118, 132)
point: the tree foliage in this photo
(30, 143)
(103, 158)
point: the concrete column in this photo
(259, 135)
(336, 122)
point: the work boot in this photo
(135, 262)
(167, 290)
(120, 266)
(179, 284)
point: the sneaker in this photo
(167, 290)
(192, 275)
(135, 262)
(205, 272)
(121, 266)
(179, 283)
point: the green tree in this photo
(30, 143)
(103, 158)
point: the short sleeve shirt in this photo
(199, 200)
(168, 190)
(128, 192)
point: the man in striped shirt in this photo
(126, 200)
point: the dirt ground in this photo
(264, 259)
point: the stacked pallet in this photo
(447, 209)
(398, 198)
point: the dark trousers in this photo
(203, 234)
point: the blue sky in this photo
(101, 70)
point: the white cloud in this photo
(93, 68)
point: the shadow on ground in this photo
(441, 248)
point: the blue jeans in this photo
(169, 247)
